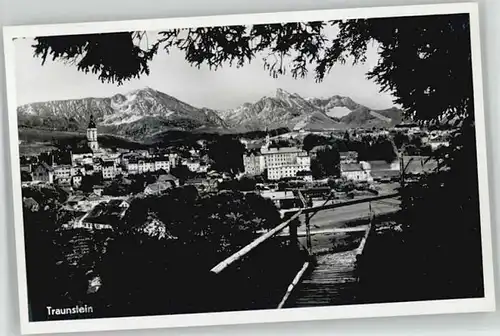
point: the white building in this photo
(254, 163)
(108, 170)
(173, 158)
(62, 172)
(285, 162)
(435, 144)
(349, 157)
(280, 162)
(145, 165)
(162, 163)
(81, 156)
(356, 171)
(193, 166)
(203, 168)
(132, 166)
(77, 180)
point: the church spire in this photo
(92, 134)
(92, 122)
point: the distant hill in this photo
(290, 110)
(134, 115)
(147, 114)
(366, 118)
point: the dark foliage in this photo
(226, 154)
(244, 184)
(369, 148)
(326, 163)
(182, 172)
(312, 140)
(152, 274)
(89, 181)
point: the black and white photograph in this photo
(249, 168)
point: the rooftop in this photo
(46, 166)
(350, 167)
(281, 150)
(383, 165)
(167, 177)
(159, 186)
(105, 213)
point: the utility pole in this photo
(307, 220)
(308, 234)
(402, 168)
(371, 212)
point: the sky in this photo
(226, 88)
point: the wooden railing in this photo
(245, 250)
(293, 230)
(291, 224)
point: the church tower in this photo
(268, 139)
(92, 134)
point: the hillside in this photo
(284, 109)
(136, 114)
(366, 118)
(146, 113)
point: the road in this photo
(338, 217)
(327, 225)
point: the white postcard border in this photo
(486, 304)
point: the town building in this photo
(168, 178)
(162, 163)
(157, 188)
(79, 169)
(382, 170)
(43, 173)
(305, 176)
(254, 163)
(285, 162)
(282, 199)
(97, 190)
(88, 169)
(356, 171)
(63, 182)
(62, 172)
(132, 166)
(26, 167)
(77, 179)
(202, 184)
(106, 215)
(108, 170)
(81, 156)
(438, 143)
(349, 157)
(193, 165)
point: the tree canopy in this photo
(326, 163)
(226, 154)
(415, 63)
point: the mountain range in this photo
(145, 112)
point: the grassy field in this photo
(38, 140)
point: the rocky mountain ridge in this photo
(145, 112)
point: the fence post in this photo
(293, 227)
(308, 233)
